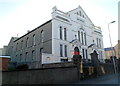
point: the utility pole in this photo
(112, 48)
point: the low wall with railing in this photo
(55, 73)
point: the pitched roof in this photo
(83, 11)
(33, 30)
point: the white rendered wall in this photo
(73, 26)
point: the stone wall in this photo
(57, 75)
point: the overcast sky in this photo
(18, 16)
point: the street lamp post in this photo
(112, 47)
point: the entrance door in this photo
(76, 51)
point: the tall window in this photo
(86, 54)
(65, 34)
(97, 42)
(33, 55)
(34, 39)
(41, 51)
(79, 35)
(27, 42)
(16, 58)
(17, 47)
(20, 57)
(85, 38)
(65, 50)
(83, 54)
(22, 44)
(80, 13)
(26, 56)
(42, 36)
(61, 52)
(60, 32)
(101, 55)
(82, 38)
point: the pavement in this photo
(104, 79)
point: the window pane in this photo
(83, 54)
(100, 43)
(79, 35)
(86, 54)
(41, 51)
(27, 42)
(22, 44)
(42, 36)
(26, 56)
(97, 42)
(34, 39)
(61, 52)
(82, 38)
(33, 55)
(65, 34)
(20, 57)
(65, 50)
(60, 32)
(85, 39)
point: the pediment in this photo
(80, 13)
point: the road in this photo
(105, 79)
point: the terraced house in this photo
(56, 40)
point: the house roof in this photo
(4, 56)
(33, 30)
(109, 48)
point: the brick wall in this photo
(5, 63)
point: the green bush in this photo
(11, 69)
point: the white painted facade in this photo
(74, 21)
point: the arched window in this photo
(42, 36)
